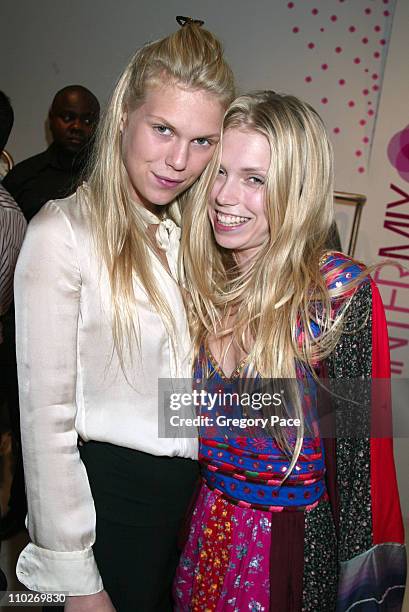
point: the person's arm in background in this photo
(12, 229)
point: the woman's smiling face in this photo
(237, 208)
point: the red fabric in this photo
(386, 513)
(214, 558)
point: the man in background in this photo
(56, 172)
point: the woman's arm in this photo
(371, 551)
(61, 514)
(99, 602)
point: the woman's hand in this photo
(99, 602)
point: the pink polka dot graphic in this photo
(398, 153)
(358, 38)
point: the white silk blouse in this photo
(71, 384)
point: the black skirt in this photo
(140, 503)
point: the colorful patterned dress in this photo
(329, 538)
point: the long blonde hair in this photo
(282, 290)
(193, 57)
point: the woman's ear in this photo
(123, 122)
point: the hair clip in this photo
(182, 21)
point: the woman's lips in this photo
(221, 226)
(166, 182)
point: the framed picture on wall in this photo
(348, 211)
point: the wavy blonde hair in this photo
(192, 57)
(283, 289)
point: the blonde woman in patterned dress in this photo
(285, 519)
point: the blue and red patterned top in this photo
(249, 469)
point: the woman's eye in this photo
(162, 129)
(203, 142)
(256, 180)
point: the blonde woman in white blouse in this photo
(100, 318)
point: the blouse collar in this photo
(167, 237)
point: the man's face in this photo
(73, 119)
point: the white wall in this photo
(46, 45)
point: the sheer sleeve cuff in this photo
(74, 573)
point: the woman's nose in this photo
(178, 156)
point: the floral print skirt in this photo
(225, 564)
